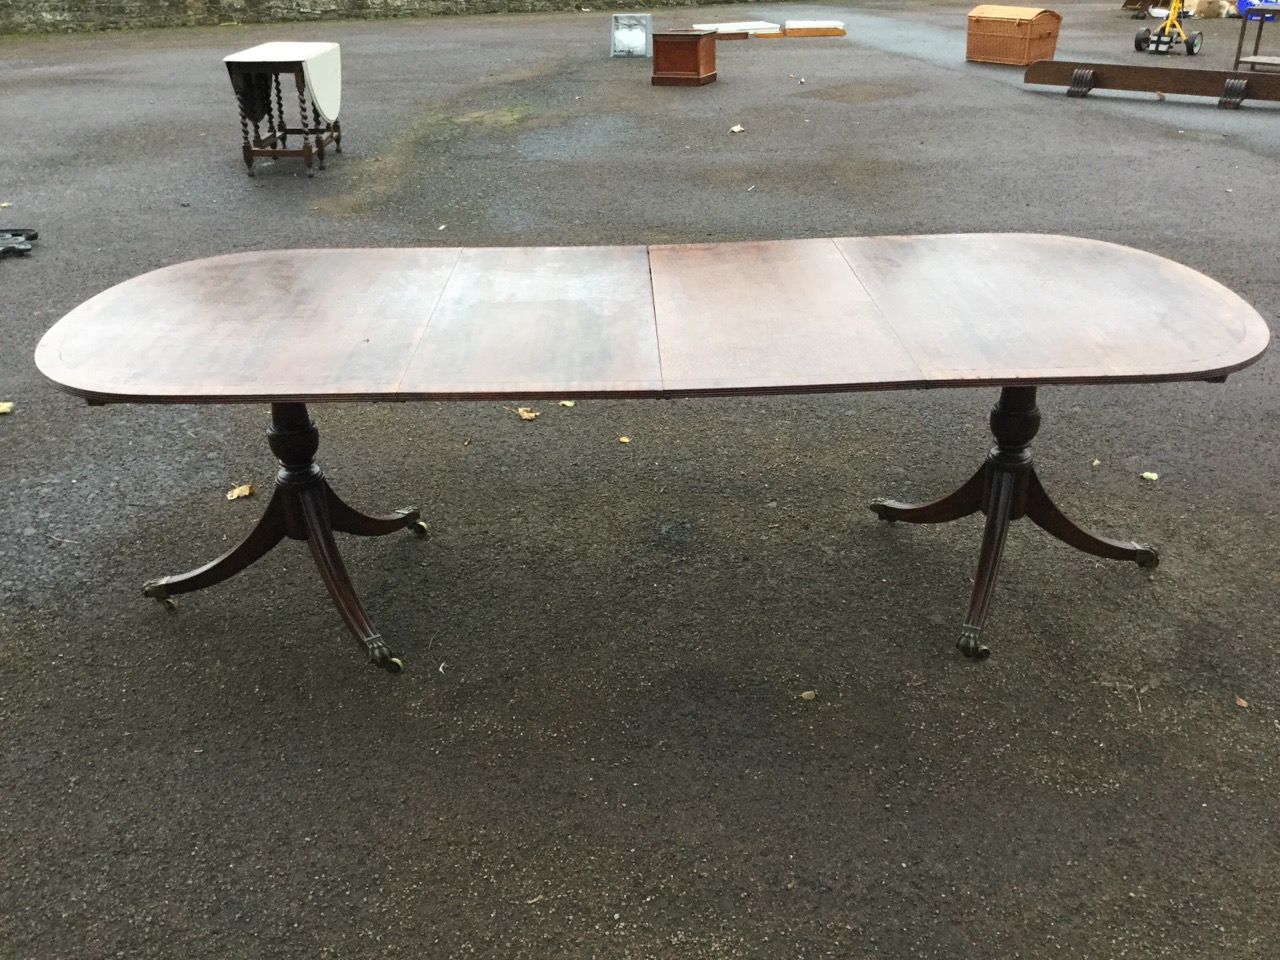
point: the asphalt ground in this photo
(600, 747)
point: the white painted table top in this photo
(321, 66)
(740, 26)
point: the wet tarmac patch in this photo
(580, 138)
(674, 536)
(387, 172)
(495, 117)
(863, 92)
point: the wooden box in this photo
(1018, 35)
(684, 58)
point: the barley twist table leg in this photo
(279, 133)
(300, 80)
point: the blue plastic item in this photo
(1242, 7)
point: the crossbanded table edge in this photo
(845, 314)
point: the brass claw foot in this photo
(1145, 555)
(880, 507)
(413, 521)
(970, 643)
(155, 589)
(380, 655)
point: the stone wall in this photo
(44, 16)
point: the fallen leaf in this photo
(1150, 476)
(535, 899)
(624, 439)
(528, 413)
(3, 205)
(6, 406)
(1241, 702)
(568, 403)
(737, 128)
(441, 227)
(1097, 462)
(244, 490)
(791, 75)
(809, 695)
(802, 79)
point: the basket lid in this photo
(992, 11)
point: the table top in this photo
(281, 51)
(791, 316)
(321, 68)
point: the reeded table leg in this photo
(1045, 514)
(1006, 488)
(303, 507)
(966, 500)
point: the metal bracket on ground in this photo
(1233, 94)
(1081, 83)
(16, 241)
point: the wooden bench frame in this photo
(1231, 88)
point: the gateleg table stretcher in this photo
(292, 327)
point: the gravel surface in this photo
(600, 747)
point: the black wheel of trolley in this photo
(1142, 40)
(1194, 42)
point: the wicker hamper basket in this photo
(1018, 35)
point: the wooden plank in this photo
(813, 31)
(1260, 61)
(1008, 308)
(541, 321)
(1181, 80)
(759, 317)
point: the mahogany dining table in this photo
(296, 327)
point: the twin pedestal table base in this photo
(852, 314)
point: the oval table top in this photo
(788, 316)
